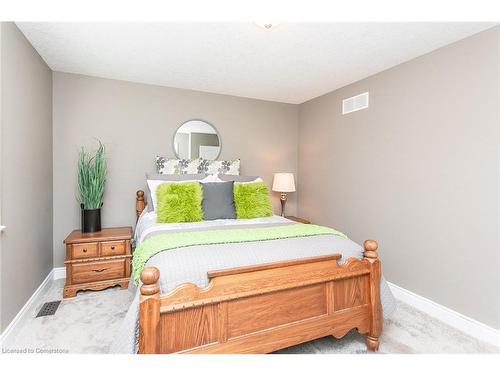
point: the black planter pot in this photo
(91, 220)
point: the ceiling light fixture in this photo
(267, 25)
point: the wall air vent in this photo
(355, 103)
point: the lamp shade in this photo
(283, 182)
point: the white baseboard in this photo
(459, 321)
(59, 273)
(22, 315)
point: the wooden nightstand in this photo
(298, 219)
(97, 260)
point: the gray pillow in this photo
(168, 177)
(235, 178)
(218, 200)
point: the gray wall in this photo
(1, 179)
(136, 121)
(26, 175)
(417, 171)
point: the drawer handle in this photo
(100, 270)
(112, 247)
(84, 250)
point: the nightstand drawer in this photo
(111, 248)
(84, 250)
(98, 271)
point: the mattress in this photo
(191, 264)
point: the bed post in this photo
(149, 311)
(139, 203)
(375, 330)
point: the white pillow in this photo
(258, 179)
(153, 185)
(211, 178)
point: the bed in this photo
(252, 297)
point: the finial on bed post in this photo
(140, 203)
(375, 329)
(149, 278)
(149, 311)
(370, 253)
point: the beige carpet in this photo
(88, 323)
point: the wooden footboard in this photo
(260, 309)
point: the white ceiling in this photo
(291, 63)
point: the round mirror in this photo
(197, 139)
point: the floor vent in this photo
(48, 308)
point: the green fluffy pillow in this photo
(179, 202)
(252, 200)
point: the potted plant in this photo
(91, 182)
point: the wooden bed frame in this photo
(263, 308)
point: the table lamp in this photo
(283, 183)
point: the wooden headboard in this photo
(140, 203)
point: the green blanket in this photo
(169, 241)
